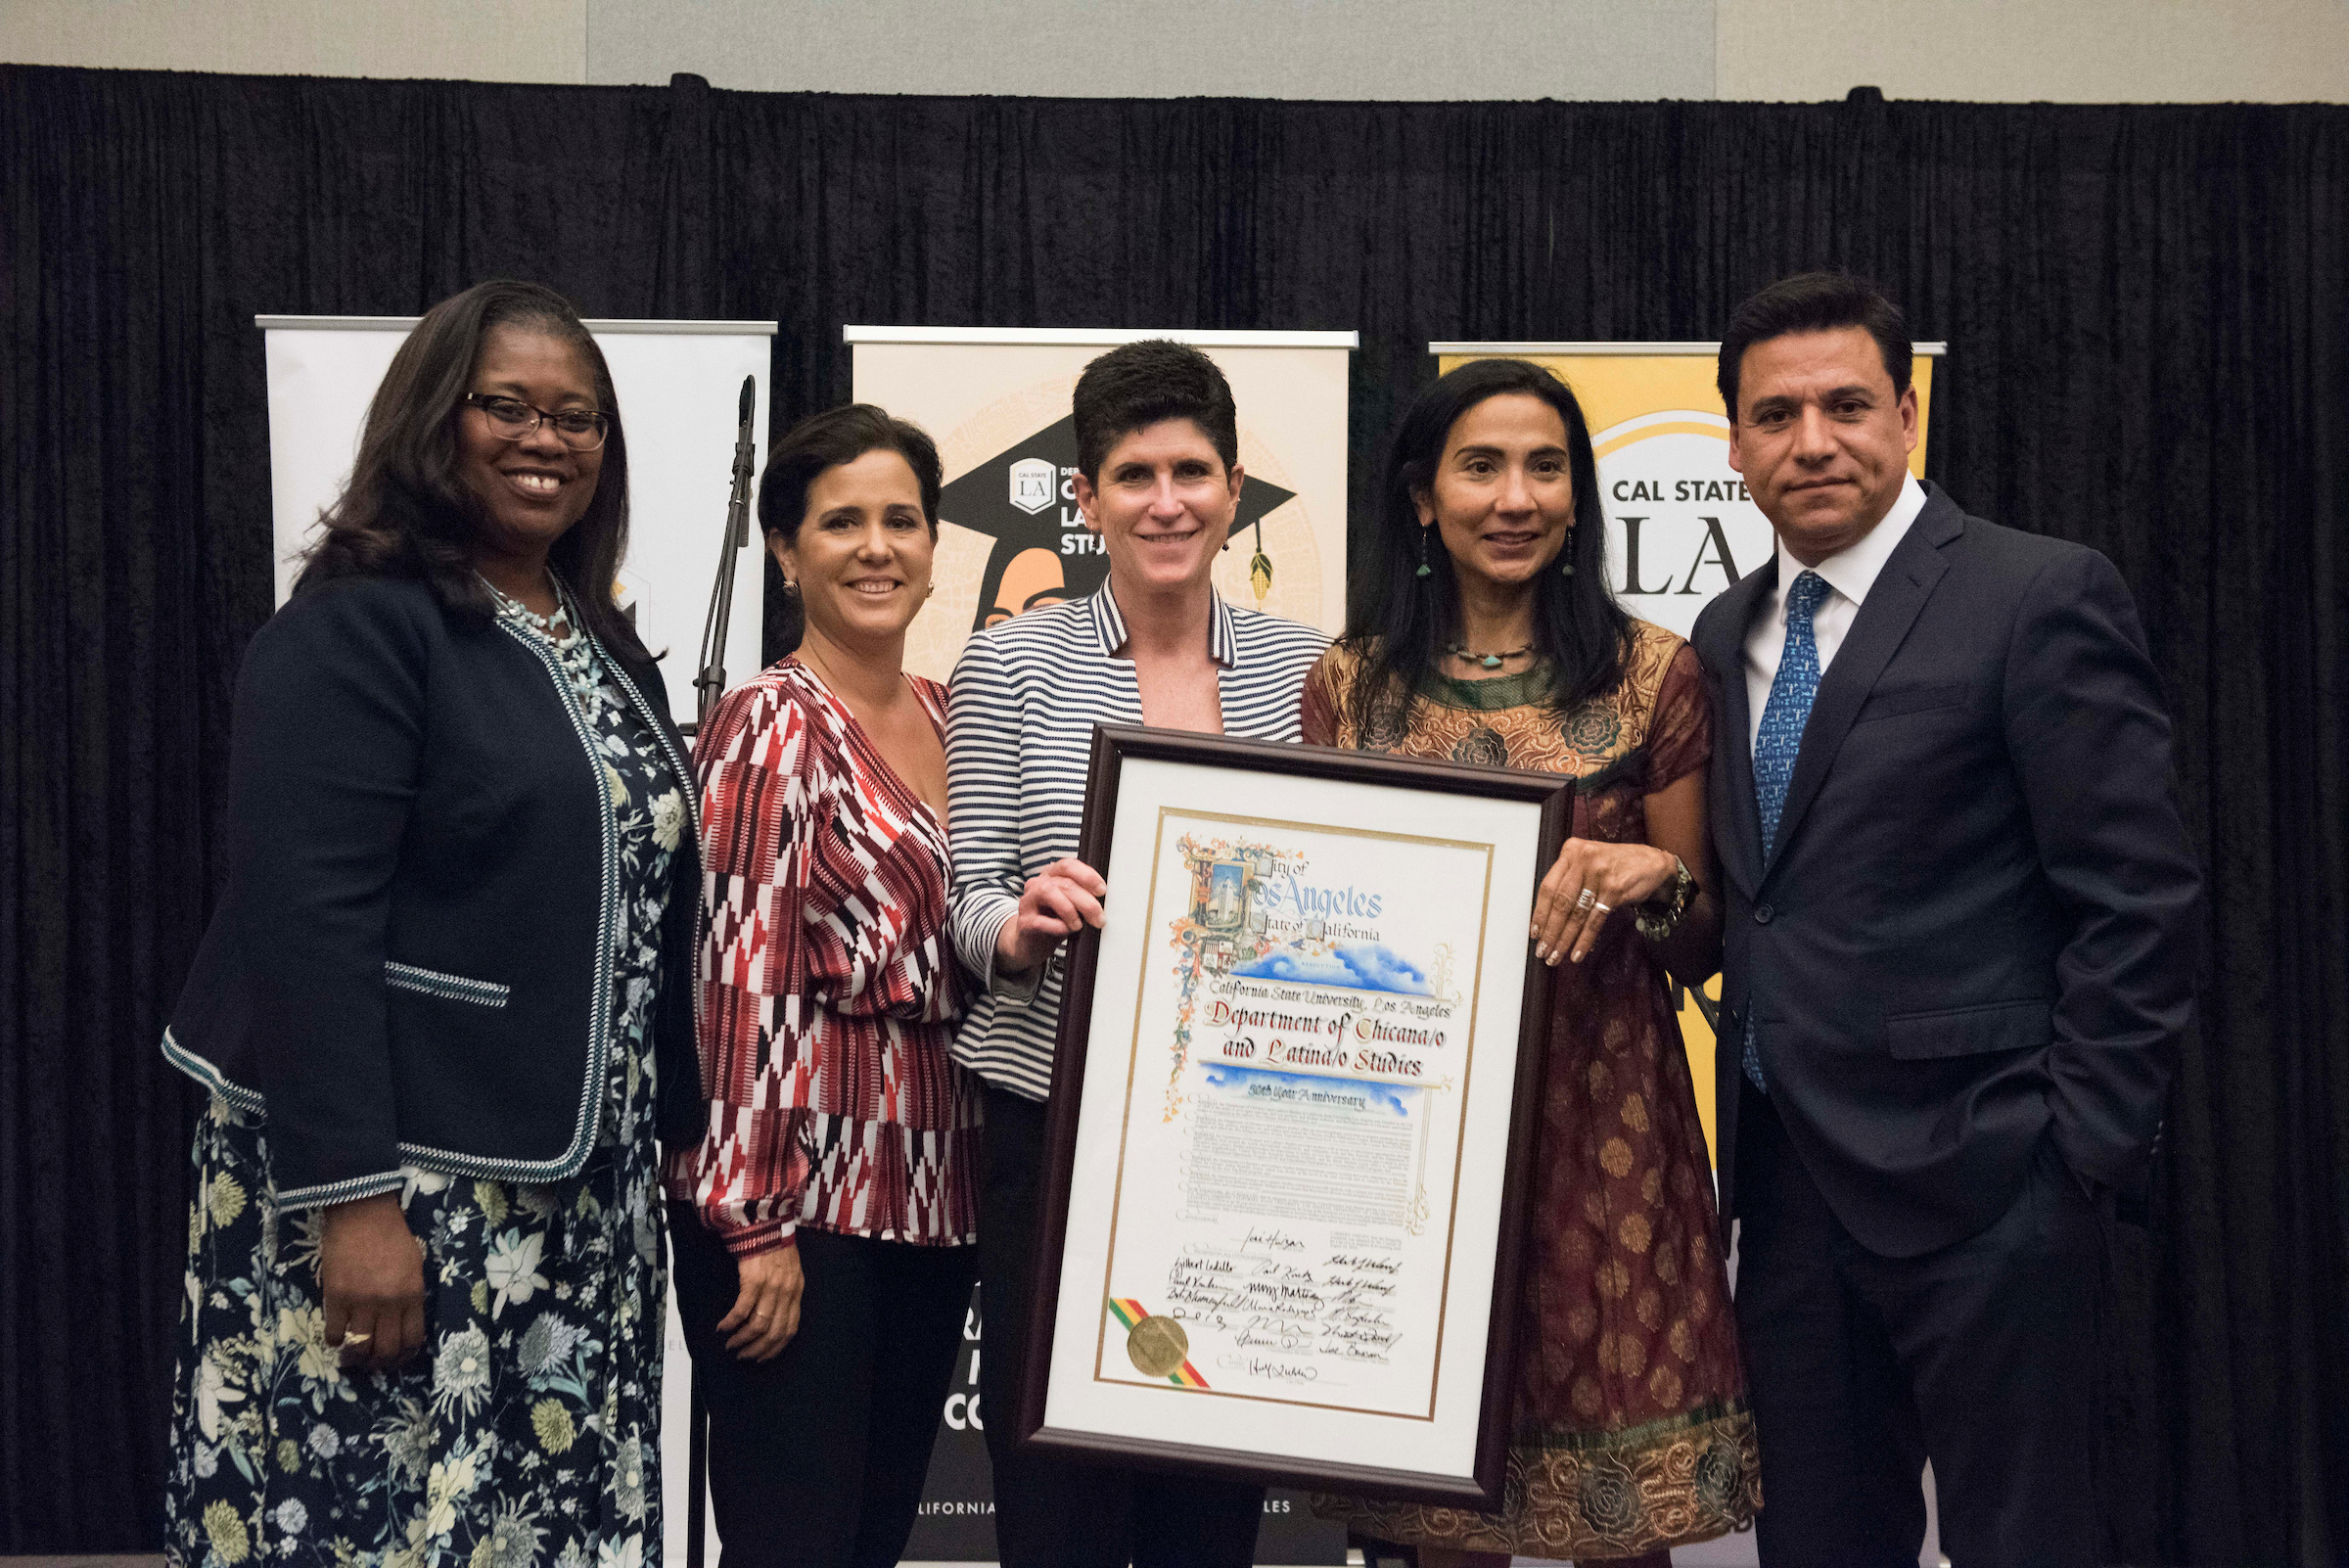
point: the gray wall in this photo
(2277, 51)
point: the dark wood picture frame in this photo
(1113, 746)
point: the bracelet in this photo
(1660, 916)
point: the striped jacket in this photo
(828, 984)
(1019, 740)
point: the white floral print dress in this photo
(528, 1429)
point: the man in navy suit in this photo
(1960, 953)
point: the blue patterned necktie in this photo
(1791, 693)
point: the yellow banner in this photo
(1681, 526)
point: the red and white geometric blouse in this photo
(829, 986)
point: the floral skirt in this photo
(525, 1431)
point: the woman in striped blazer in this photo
(823, 1220)
(1159, 482)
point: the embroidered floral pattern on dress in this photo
(1632, 1429)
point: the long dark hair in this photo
(1402, 621)
(406, 513)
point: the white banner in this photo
(677, 381)
(997, 401)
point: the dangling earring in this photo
(1425, 571)
(1567, 554)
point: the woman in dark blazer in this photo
(445, 1002)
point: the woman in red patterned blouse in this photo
(824, 1220)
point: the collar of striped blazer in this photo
(1110, 626)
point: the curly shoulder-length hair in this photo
(406, 511)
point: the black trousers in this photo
(1980, 1355)
(817, 1457)
(1050, 1512)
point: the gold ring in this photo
(350, 1338)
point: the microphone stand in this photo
(709, 681)
(710, 678)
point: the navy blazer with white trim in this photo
(412, 961)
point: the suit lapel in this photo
(1740, 813)
(1891, 608)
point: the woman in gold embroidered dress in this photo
(1489, 638)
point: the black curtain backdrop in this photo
(2144, 307)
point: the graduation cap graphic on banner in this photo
(1023, 498)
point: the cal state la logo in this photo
(1681, 524)
(1033, 483)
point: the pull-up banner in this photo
(1681, 526)
(997, 401)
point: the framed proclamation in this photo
(1293, 1116)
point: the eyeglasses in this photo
(511, 418)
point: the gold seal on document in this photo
(1158, 1346)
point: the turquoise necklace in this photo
(1491, 661)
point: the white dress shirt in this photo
(1850, 573)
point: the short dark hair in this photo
(407, 512)
(830, 439)
(1813, 301)
(1138, 383)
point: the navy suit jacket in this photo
(1977, 927)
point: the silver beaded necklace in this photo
(574, 649)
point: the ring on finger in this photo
(1588, 898)
(353, 1337)
(1602, 908)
